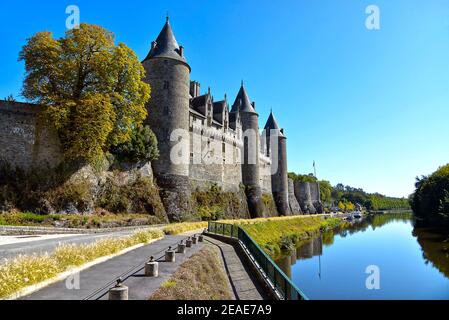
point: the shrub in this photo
(141, 148)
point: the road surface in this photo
(12, 246)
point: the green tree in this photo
(141, 147)
(430, 201)
(92, 89)
(326, 191)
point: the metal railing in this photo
(275, 277)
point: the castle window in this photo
(166, 85)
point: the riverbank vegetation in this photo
(24, 271)
(430, 202)
(278, 235)
(202, 277)
(347, 197)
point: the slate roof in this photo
(242, 102)
(219, 108)
(166, 45)
(272, 124)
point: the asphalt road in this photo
(40, 244)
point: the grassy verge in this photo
(23, 271)
(178, 228)
(278, 235)
(202, 277)
(99, 220)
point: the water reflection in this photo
(414, 261)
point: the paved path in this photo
(243, 283)
(95, 281)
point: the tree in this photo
(341, 206)
(92, 90)
(430, 202)
(141, 147)
(326, 191)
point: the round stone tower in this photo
(168, 74)
(277, 150)
(250, 152)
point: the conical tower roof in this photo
(242, 102)
(166, 45)
(272, 124)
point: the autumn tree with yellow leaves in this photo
(91, 89)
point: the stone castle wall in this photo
(24, 141)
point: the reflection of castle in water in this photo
(307, 251)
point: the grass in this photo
(23, 271)
(202, 277)
(97, 220)
(278, 235)
(178, 228)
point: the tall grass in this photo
(179, 228)
(279, 234)
(23, 271)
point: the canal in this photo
(380, 257)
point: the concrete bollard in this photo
(170, 255)
(119, 292)
(194, 240)
(152, 268)
(181, 247)
(189, 243)
(201, 238)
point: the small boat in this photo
(358, 215)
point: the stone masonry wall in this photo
(24, 142)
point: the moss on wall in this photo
(215, 204)
(270, 205)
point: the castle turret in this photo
(168, 74)
(277, 150)
(250, 154)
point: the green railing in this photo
(274, 276)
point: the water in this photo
(413, 263)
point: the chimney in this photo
(181, 51)
(195, 89)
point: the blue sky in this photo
(371, 107)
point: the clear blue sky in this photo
(371, 107)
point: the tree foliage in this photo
(431, 198)
(92, 89)
(141, 147)
(352, 196)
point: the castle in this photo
(218, 144)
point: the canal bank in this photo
(412, 263)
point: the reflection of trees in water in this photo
(434, 243)
(435, 247)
